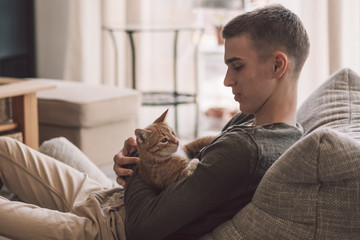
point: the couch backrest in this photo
(335, 104)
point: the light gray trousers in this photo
(58, 202)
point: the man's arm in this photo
(223, 174)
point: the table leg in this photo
(25, 114)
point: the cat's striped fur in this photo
(161, 161)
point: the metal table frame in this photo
(173, 98)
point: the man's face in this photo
(250, 78)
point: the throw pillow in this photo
(335, 104)
(63, 150)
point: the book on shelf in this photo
(10, 130)
(13, 134)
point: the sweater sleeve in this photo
(225, 169)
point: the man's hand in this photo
(121, 159)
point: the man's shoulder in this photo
(275, 136)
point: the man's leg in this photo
(26, 221)
(51, 190)
(41, 180)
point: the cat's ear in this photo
(162, 117)
(141, 135)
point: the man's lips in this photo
(237, 96)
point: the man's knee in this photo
(4, 139)
(7, 145)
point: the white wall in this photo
(51, 18)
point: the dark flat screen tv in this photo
(17, 43)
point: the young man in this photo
(265, 51)
(59, 202)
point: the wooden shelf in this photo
(24, 107)
(8, 127)
(19, 88)
(6, 80)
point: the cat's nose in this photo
(176, 142)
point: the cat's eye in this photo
(163, 140)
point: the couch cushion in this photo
(74, 104)
(311, 192)
(63, 150)
(335, 104)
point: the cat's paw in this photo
(193, 165)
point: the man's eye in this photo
(237, 68)
(163, 140)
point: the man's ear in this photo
(280, 64)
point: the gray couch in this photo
(313, 190)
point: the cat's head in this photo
(158, 138)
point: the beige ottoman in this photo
(97, 119)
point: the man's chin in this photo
(243, 109)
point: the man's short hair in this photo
(272, 28)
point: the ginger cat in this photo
(161, 161)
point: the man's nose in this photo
(228, 81)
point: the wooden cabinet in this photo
(24, 107)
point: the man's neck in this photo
(281, 107)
